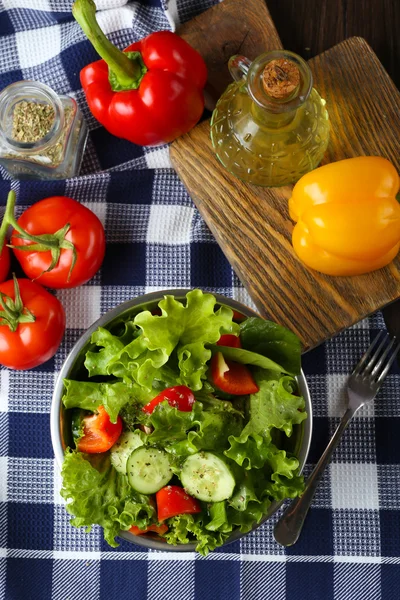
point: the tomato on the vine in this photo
(32, 324)
(66, 240)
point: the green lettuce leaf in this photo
(89, 396)
(272, 340)
(246, 357)
(274, 405)
(99, 494)
(186, 329)
(186, 528)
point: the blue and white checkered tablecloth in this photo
(156, 239)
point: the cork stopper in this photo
(280, 78)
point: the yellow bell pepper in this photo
(348, 218)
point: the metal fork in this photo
(362, 387)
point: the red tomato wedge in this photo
(172, 500)
(232, 377)
(160, 529)
(99, 434)
(179, 396)
(228, 339)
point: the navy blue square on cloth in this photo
(309, 581)
(219, 579)
(29, 578)
(390, 532)
(29, 435)
(390, 581)
(6, 25)
(387, 440)
(316, 537)
(132, 573)
(131, 187)
(30, 526)
(320, 438)
(112, 151)
(209, 267)
(124, 264)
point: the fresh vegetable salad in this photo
(181, 426)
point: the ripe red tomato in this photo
(32, 343)
(4, 263)
(178, 396)
(86, 233)
(99, 433)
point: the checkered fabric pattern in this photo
(156, 239)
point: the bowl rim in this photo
(104, 320)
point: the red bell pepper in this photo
(172, 500)
(229, 339)
(152, 92)
(160, 529)
(232, 377)
(178, 396)
(99, 434)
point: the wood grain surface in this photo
(252, 225)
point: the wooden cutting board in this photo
(250, 223)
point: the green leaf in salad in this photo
(246, 357)
(99, 494)
(186, 328)
(89, 395)
(272, 340)
(183, 528)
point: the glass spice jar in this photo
(42, 135)
(270, 126)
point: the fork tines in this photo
(376, 365)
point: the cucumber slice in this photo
(207, 477)
(121, 451)
(148, 470)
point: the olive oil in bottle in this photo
(270, 126)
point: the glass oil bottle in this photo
(270, 126)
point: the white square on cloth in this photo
(3, 478)
(337, 397)
(82, 305)
(169, 224)
(38, 45)
(4, 389)
(158, 158)
(39, 4)
(354, 485)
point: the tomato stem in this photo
(126, 69)
(14, 312)
(53, 242)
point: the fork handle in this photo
(288, 528)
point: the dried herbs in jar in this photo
(42, 135)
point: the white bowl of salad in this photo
(180, 420)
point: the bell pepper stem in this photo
(127, 71)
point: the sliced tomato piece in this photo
(172, 500)
(232, 377)
(99, 434)
(228, 339)
(178, 396)
(160, 529)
